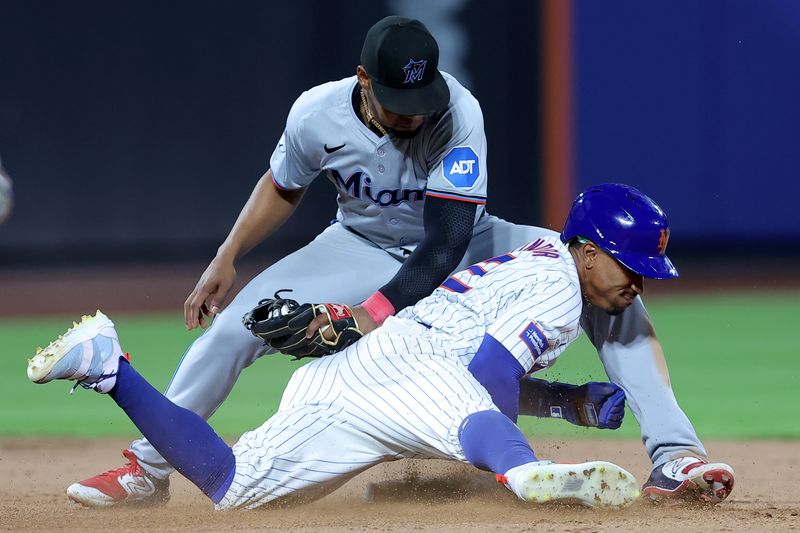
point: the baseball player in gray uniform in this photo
(404, 145)
(439, 380)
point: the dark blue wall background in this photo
(141, 127)
(137, 129)
(697, 102)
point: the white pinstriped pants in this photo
(395, 394)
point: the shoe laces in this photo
(132, 466)
(85, 384)
(94, 383)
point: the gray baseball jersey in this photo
(382, 181)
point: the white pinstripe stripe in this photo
(386, 406)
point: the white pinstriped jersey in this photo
(397, 393)
(404, 389)
(529, 300)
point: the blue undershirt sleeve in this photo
(499, 372)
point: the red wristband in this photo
(378, 307)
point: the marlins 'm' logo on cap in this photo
(414, 70)
(401, 58)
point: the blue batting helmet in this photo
(626, 224)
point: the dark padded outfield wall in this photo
(136, 130)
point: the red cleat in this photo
(128, 485)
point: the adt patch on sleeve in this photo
(535, 340)
(461, 167)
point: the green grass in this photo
(156, 344)
(734, 365)
(733, 360)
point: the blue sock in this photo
(493, 442)
(183, 438)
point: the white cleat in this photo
(593, 484)
(87, 353)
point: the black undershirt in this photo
(448, 230)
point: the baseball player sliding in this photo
(403, 144)
(439, 380)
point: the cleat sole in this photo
(595, 484)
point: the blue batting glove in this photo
(594, 404)
(600, 405)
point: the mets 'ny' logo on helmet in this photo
(414, 70)
(662, 241)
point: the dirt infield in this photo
(406, 495)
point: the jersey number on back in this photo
(478, 269)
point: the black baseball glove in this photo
(281, 323)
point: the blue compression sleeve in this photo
(493, 442)
(499, 372)
(183, 438)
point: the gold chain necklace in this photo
(368, 115)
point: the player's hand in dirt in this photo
(208, 297)
(364, 321)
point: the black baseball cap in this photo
(402, 60)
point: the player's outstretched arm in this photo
(600, 405)
(634, 358)
(265, 211)
(448, 231)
